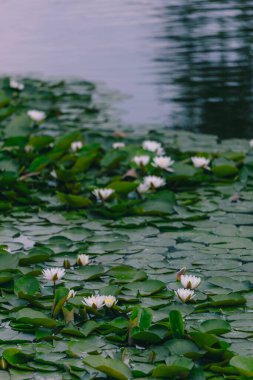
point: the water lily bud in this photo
(71, 294)
(3, 363)
(180, 272)
(82, 260)
(66, 264)
(110, 301)
(102, 194)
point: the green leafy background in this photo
(201, 220)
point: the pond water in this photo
(178, 63)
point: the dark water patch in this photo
(205, 66)
(181, 64)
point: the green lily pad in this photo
(111, 367)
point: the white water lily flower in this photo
(154, 182)
(185, 295)
(118, 145)
(163, 162)
(102, 194)
(71, 294)
(141, 160)
(96, 302)
(251, 143)
(16, 85)
(36, 115)
(189, 281)
(76, 145)
(83, 260)
(143, 188)
(153, 146)
(110, 301)
(53, 274)
(200, 162)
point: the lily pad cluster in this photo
(127, 247)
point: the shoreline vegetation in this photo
(124, 253)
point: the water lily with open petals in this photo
(110, 301)
(163, 162)
(141, 160)
(53, 274)
(36, 115)
(200, 162)
(102, 194)
(154, 182)
(185, 295)
(190, 281)
(153, 146)
(96, 302)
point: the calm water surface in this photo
(185, 64)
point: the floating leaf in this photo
(243, 364)
(124, 274)
(19, 126)
(34, 318)
(74, 200)
(111, 367)
(176, 323)
(26, 285)
(222, 167)
(215, 326)
(175, 366)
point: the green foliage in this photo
(243, 364)
(176, 323)
(60, 298)
(111, 367)
(26, 285)
(174, 367)
(201, 219)
(19, 126)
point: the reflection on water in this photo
(205, 65)
(99, 40)
(187, 64)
